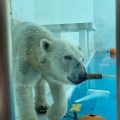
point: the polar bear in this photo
(40, 58)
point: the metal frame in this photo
(6, 92)
(118, 54)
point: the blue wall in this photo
(104, 19)
(23, 10)
(101, 12)
(53, 12)
(63, 11)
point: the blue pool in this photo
(103, 106)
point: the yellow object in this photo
(75, 107)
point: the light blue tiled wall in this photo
(63, 11)
(53, 12)
(23, 10)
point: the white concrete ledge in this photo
(71, 27)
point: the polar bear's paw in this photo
(41, 108)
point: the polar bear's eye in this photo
(68, 57)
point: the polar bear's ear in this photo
(45, 44)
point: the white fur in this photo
(41, 58)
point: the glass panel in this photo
(64, 59)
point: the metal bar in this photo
(71, 27)
(118, 54)
(6, 96)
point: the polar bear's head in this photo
(65, 61)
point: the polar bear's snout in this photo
(82, 77)
(77, 75)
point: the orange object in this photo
(92, 117)
(112, 51)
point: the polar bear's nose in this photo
(82, 77)
(77, 74)
(77, 80)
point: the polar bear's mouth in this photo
(78, 80)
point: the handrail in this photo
(71, 27)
